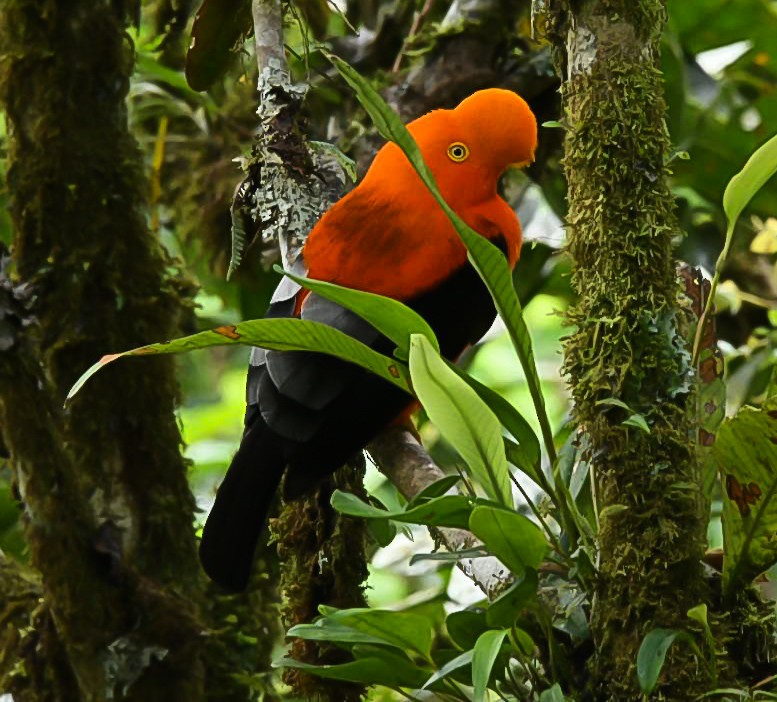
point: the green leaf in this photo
(760, 167)
(277, 334)
(527, 452)
(483, 657)
(487, 259)
(746, 453)
(436, 489)
(464, 627)
(348, 164)
(151, 67)
(403, 630)
(614, 402)
(445, 511)
(637, 420)
(553, 694)
(453, 664)
(650, 658)
(516, 456)
(219, 26)
(699, 614)
(504, 610)
(462, 417)
(387, 669)
(390, 317)
(326, 630)
(511, 537)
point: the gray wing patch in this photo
(287, 288)
(292, 389)
(312, 379)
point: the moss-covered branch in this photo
(625, 343)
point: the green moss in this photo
(323, 563)
(624, 342)
(109, 511)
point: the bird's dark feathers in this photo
(310, 413)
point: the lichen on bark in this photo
(624, 344)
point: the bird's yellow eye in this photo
(458, 152)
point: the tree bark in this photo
(626, 345)
(288, 188)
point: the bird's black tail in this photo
(240, 511)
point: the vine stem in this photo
(711, 297)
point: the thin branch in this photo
(404, 461)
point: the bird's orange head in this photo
(391, 220)
(467, 148)
(500, 126)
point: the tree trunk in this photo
(107, 508)
(625, 345)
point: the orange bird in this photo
(309, 413)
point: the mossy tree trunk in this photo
(107, 508)
(625, 345)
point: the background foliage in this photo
(720, 65)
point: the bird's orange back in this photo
(391, 220)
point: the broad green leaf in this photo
(486, 650)
(462, 417)
(746, 454)
(527, 454)
(404, 630)
(504, 610)
(464, 627)
(637, 420)
(445, 511)
(487, 259)
(218, 27)
(760, 167)
(553, 694)
(511, 537)
(650, 658)
(522, 641)
(277, 334)
(390, 317)
(386, 669)
(516, 456)
(436, 489)
(326, 630)
(453, 664)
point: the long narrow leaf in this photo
(483, 659)
(453, 664)
(486, 258)
(527, 451)
(277, 334)
(445, 511)
(390, 317)
(463, 418)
